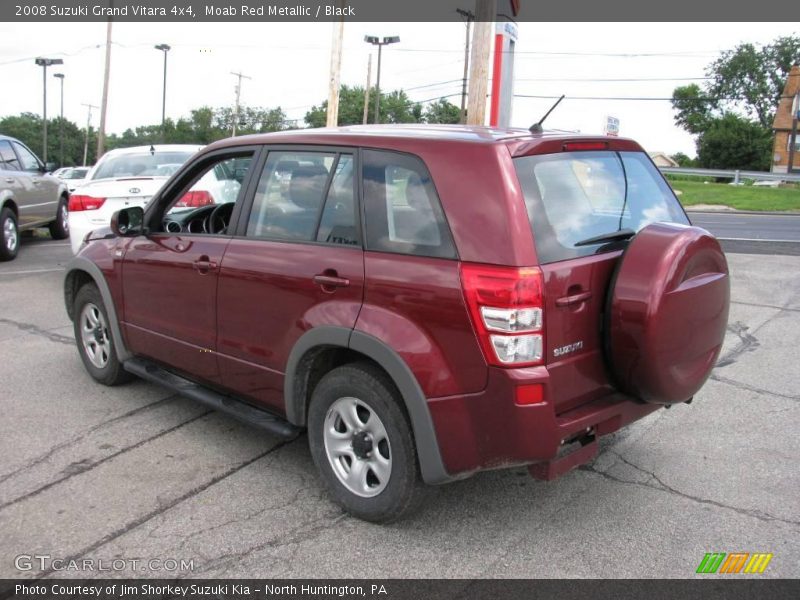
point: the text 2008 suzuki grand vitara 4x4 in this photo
(426, 302)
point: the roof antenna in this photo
(537, 127)
(153, 148)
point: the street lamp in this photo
(164, 48)
(44, 63)
(60, 76)
(375, 41)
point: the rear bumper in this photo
(488, 430)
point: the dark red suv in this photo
(426, 302)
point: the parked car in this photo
(28, 197)
(74, 176)
(122, 177)
(439, 300)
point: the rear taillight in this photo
(195, 199)
(506, 305)
(79, 202)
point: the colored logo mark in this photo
(735, 562)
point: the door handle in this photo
(204, 265)
(36, 182)
(573, 299)
(9, 180)
(330, 280)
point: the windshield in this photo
(572, 197)
(141, 164)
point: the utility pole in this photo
(366, 89)
(485, 11)
(164, 48)
(101, 134)
(60, 76)
(88, 124)
(469, 17)
(333, 80)
(240, 76)
(370, 39)
(44, 63)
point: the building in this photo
(782, 125)
(662, 159)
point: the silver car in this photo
(28, 197)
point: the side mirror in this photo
(128, 222)
(50, 167)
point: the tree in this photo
(684, 160)
(27, 128)
(442, 111)
(695, 110)
(396, 107)
(732, 142)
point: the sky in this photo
(289, 66)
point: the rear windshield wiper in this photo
(611, 236)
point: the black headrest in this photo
(307, 185)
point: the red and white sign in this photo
(611, 126)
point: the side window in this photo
(338, 222)
(290, 194)
(217, 186)
(28, 161)
(8, 159)
(403, 213)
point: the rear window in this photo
(145, 164)
(574, 196)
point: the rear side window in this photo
(403, 213)
(573, 196)
(7, 157)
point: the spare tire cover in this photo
(667, 312)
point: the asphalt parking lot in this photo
(138, 473)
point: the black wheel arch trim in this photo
(430, 458)
(80, 264)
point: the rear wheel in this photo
(59, 229)
(95, 343)
(9, 234)
(362, 444)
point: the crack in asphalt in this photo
(58, 447)
(773, 306)
(302, 533)
(752, 388)
(130, 526)
(34, 330)
(748, 343)
(86, 465)
(660, 486)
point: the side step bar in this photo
(226, 404)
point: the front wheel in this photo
(94, 340)
(362, 444)
(59, 229)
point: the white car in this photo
(121, 178)
(74, 177)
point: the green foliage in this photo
(395, 107)
(732, 113)
(732, 142)
(683, 160)
(203, 126)
(442, 111)
(741, 197)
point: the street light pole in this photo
(60, 76)
(44, 63)
(164, 48)
(371, 39)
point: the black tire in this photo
(59, 229)
(111, 371)
(404, 490)
(9, 234)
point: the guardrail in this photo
(736, 175)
